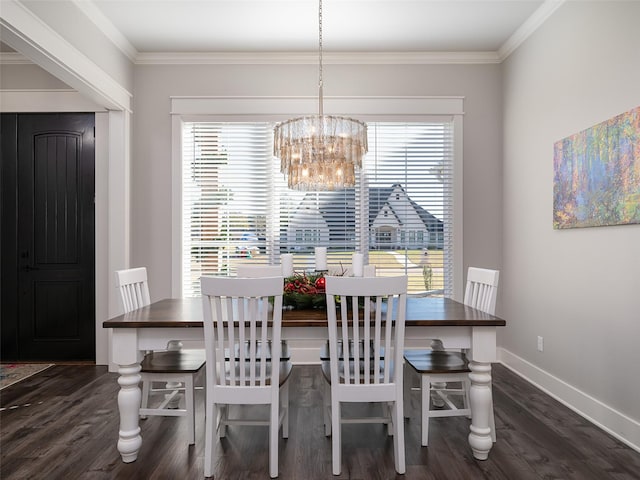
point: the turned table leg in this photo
(481, 404)
(129, 441)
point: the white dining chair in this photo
(439, 368)
(133, 287)
(175, 368)
(368, 271)
(258, 271)
(370, 313)
(244, 312)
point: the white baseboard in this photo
(622, 427)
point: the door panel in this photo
(55, 237)
(54, 318)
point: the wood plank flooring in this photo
(63, 424)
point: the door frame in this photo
(112, 187)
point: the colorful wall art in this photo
(597, 175)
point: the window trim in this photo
(367, 109)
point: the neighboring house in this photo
(395, 221)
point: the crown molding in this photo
(291, 58)
(527, 29)
(311, 58)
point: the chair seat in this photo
(324, 351)
(437, 361)
(285, 356)
(174, 361)
(325, 359)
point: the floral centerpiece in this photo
(304, 291)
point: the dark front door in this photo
(48, 259)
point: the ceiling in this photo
(349, 26)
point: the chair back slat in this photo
(377, 336)
(482, 289)
(387, 338)
(242, 326)
(133, 287)
(259, 271)
(368, 326)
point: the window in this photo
(236, 207)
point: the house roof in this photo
(338, 208)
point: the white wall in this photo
(151, 159)
(577, 288)
(28, 77)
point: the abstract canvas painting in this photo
(597, 174)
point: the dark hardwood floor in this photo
(63, 424)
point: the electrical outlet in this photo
(540, 344)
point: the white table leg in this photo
(481, 401)
(129, 441)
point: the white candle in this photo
(287, 264)
(321, 258)
(358, 264)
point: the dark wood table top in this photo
(187, 312)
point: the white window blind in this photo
(409, 190)
(237, 208)
(226, 185)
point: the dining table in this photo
(454, 324)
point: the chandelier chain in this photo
(320, 93)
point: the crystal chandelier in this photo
(320, 152)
